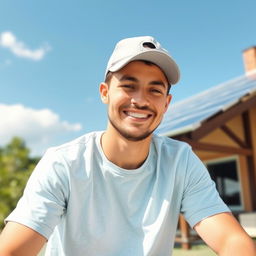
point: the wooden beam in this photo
(218, 148)
(251, 159)
(247, 128)
(245, 181)
(251, 173)
(222, 117)
(233, 136)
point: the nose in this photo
(139, 99)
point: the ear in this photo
(104, 93)
(168, 100)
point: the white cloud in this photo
(37, 127)
(18, 48)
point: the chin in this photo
(132, 137)
(131, 134)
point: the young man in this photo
(120, 192)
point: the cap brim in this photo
(162, 60)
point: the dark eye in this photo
(127, 86)
(156, 91)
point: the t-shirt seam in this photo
(215, 206)
(39, 227)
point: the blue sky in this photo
(53, 56)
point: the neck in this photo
(125, 153)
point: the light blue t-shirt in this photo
(86, 205)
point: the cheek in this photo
(162, 106)
(118, 99)
(114, 104)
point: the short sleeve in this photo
(45, 197)
(200, 197)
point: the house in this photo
(220, 125)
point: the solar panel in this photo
(188, 114)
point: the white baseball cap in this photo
(143, 48)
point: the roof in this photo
(187, 115)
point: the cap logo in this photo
(149, 45)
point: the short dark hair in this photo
(108, 77)
(110, 74)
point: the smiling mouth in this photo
(137, 115)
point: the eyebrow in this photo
(134, 79)
(159, 83)
(129, 78)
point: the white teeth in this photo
(137, 115)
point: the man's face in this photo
(137, 99)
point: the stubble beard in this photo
(128, 135)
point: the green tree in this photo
(15, 168)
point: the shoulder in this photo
(58, 163)
(169, 145)
(73, 149)
(172, 154)
(177, 154)
(71, 155)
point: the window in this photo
(225, 175)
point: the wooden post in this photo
(185, 233)
(250, 138)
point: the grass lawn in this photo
(197, 250)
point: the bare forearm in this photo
(238, 247)
(19, 240)
(225, 235)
